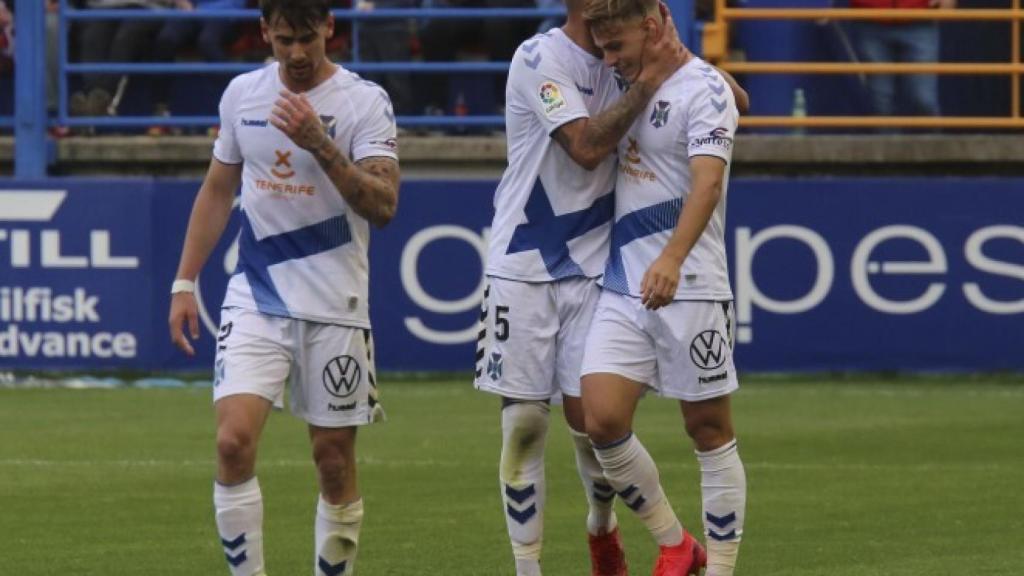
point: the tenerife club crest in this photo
(659, 116)
(494, 366)
(330, 125)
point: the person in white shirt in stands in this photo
(313, 147)
(665, 317)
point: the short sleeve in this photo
(712, 117)
(376, 133)
(543, 85)
(225, 148)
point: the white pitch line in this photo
(433, 463)
(143, 463)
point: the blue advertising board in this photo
(829, 274)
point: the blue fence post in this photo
(30, 91)
(684, 14)
(62, 64)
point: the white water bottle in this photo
(799, 108)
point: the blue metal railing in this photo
(30, 102)
(356, 65)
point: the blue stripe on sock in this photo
(233, 544)
(636, 504)
(721, 521)
(236, 560)
(520, 496)
(722, 537)
(614, 443)
(521, 516)
(331, 569)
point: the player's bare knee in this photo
(333, 467)
(605, 427)
(334, 455)
(236, 448)
(709, 434)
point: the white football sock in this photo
(723, 484)
(632, 472)
(239, 515)
(600, 494)
(528, 566)
(524, 428)
(337, 537)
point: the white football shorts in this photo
(530, 344)
(329, 368)
(681, 351)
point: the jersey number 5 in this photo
(501, 323)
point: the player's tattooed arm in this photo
(590, 140)
(370, 186)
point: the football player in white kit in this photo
(313, 147)
(664, 319)
(565, 114)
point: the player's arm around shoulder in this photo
(210, 213)
(588, 141)
(369, 186)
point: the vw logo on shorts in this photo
(342, 376)
(708, 350)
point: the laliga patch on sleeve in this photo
(551, 97)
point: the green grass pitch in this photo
(846, 478)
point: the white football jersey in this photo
(552, 217)
(302, 250)
(692, 114)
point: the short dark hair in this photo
(299, 14)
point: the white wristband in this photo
(183, 286)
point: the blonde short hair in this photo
(602, 12)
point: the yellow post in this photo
(1015, 58)
(1014, 68)
(723, 25)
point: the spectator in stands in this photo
(52, 52)
(443, 39)
(906, 41)
(6, 31)
(210, 37)
(388, 41)
(53, 57)
(112, 41)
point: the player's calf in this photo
(524, 428)
(337, 537)
(632, 473)
(239, 515)
(724, 494)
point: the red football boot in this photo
(607, 558)
(683, 559)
